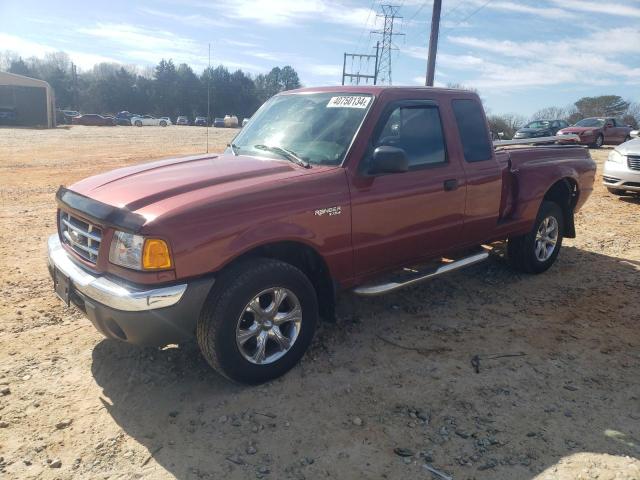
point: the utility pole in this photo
(433, 42)
(208, 96)
(74, 85)
(384, 71)
(356, 76)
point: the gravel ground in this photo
(385, 391)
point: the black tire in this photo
(599, 141)
(235, 288)
(521, 251)
(616, 191)
(163, 123)
(138, 123)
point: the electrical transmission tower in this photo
(390, 14)
(360, 63)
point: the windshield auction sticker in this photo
(349, 102)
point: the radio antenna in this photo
(208, 96)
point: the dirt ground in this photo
(385, 391)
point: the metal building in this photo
(26, 101)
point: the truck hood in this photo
(632, 147)
(157, 187)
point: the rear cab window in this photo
(473, 130)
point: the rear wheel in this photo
(138, 123)
(536, 251)
(259, 320)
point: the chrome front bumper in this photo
(107, 292)
(620, 176)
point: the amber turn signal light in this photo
(156, 254)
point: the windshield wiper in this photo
(233, 147)
(286, 153)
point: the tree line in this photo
(164, 90)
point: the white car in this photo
(622, 169)
(146, 120)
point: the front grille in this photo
(83, 237)
(634, 162)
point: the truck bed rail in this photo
(530, 141)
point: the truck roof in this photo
(377, 89)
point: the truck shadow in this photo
(569, 386)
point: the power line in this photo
(469, 16)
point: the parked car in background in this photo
(8, 115)
(231, 121)
(93, 119)
(123, 118)
(218, 122)
(66, 116)
(540, 128)
(200, 121)
(150, 120)
(182, 120)
(598, 131)
(621, 172)
(246, 253)
(245, 121)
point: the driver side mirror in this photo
(388, 159)
(609, 125)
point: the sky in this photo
(522, 55)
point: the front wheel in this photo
(599, 141)
(536, 251)
(163, 124)
(258, 320)
(138, 123)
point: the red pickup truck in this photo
(325, 189)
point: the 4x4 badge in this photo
(331, 211)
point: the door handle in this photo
(450, 185)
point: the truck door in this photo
(398, 218)
(484, 176)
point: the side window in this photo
(418, 131)
(473, 130)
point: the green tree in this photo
(604, 105)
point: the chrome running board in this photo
(411, 276)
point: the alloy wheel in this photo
(269, 326)
(546, 238)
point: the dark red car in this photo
(598, 131)
(93, 119)
(326, 189)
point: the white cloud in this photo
(192, 20)
(545, 12)
(608, 8)
(586, 60)
(29, 48)
(291, 13)
(324, 70)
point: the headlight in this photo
(616, 157)
(135, 251)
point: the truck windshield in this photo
(317, 127)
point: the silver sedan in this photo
(622, 168)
